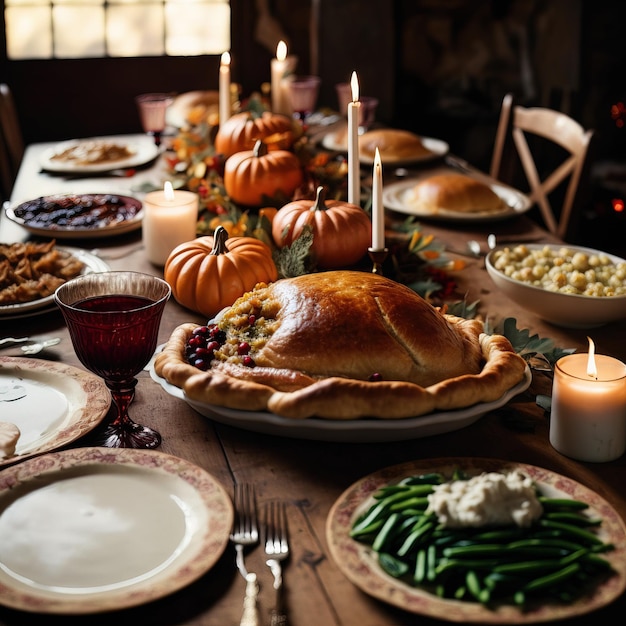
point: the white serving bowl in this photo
(561, 309)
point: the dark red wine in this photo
(112, 303)
(115, 335)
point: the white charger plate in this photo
(92, 263)
(52, 404)
(359, 564)
(100, 529)
(398, 197)
(353, 431)
(143, 151)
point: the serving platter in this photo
(142, 149)
(354, 431)
(358, 563)
(52, 404)
(92, 264)
(399, 197)
(114, 228)
(99, 529)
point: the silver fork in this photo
(245, 533)
(276, 538)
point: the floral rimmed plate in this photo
(52, 404)
(98, 529)
(358, 562)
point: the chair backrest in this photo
(516, 126)
(11, 141)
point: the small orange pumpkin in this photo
(206, 275)
(241, 131)
(342, 232)
(253, 176)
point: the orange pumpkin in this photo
(342, 232)
(206, 275)
(241, 131)
(253, 176)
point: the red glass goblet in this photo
(113, 319)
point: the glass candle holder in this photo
(588, 415)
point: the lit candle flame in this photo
(592, 370)
(354, 84)
(168, 190)
(378, 164)
(225, 58)
(281, 50)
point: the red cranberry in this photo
(375, 377)
(248, 361)
(243, 348)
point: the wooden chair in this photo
(517, 126)
(11, 141)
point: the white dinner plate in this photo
(357, 430)
(359, 564)
(87, 232)
(437, 148)
(143, 151)
(100, 529)
(92, 263)
(399, 197)
(52, 404)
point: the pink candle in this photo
(588, 416)
(354, 170)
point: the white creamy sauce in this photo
(489, 499)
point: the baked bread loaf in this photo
(456, 192)
(393, 145)
(339, 345)
(9, 436)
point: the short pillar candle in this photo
(169, 219)
(588, 414)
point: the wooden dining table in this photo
(310, 475)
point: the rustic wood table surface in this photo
(310, 475)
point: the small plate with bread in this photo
(396, 147)
(447, 195)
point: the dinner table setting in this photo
(157, 475)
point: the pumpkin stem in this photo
(260, 148)
(320, 200)
(219, 241)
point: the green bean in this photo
(552, 579)
(420, 566)
(562, 503)
(570, 530)
(384, 534)
(473, 584)
(574, 518)
(394, 567)
(413, 539)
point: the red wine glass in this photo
(113, 319)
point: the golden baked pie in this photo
(455, 192)
(339, 345)
(393, 145)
